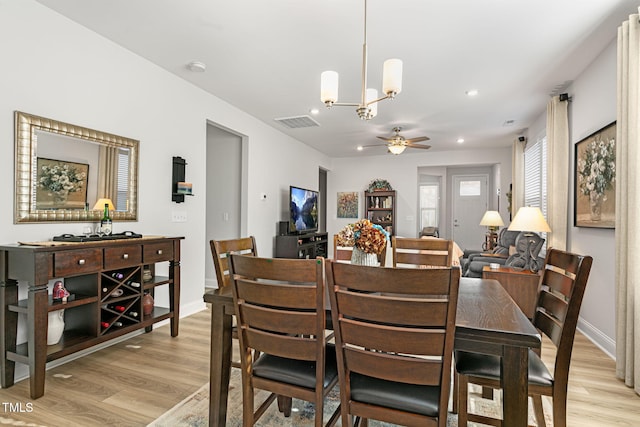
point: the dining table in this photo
(488, 321)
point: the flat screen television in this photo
(303, 210)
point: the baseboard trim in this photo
(596, 336)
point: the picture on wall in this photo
(61, 184)
(348, 204)
(595, 184)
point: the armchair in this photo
(499, 254)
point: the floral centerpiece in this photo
(368, 241)
(59, 180)
(380, 185)
(597, 172)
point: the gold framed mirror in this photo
(62, 170)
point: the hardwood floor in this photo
(134, 382)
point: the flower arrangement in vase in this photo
(60, 180)
(368, 241)
(597, 172)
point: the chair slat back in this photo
(422, 252)
(280, 305)
(393, 323)
(562, 287)
(220, 250)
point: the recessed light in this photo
(314, 111)
(460, 140)
(472, 92)
(359, 148)
(197, 66)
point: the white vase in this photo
(56, 327)
(362, 258)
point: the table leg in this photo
(515, 386)
(220, 368)
(37, 325)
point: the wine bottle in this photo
(132, 314)
(117, 275)
(104, 324)
(120, 308)
(105, 290)
(133, 284)
(105, 222)
(117, 324)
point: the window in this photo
(123, 180)
(535, 175)
(470, 188)
(429, 201)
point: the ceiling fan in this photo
(397, 143)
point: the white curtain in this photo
(628, 206)
(108, 173)
(517, 174)
(557, 172)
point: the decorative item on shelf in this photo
(185, 188)
(147, 276)
(531, 221)
(380, 185)
(60, 294)
(55, 327)
(368, 241)
(147, 304)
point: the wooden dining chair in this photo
(394, 334)
(280, 306)
(421, 253)
(343, 253)
(560, 295)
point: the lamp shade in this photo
(529, 219)
(491, 219)
(100, 205)
(392, 76)
(329, 86)
(396, 149)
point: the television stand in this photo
(302, 246)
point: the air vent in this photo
(297, 122)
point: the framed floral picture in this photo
(61, 184)
(595, 179)
(348, 205)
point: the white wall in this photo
(593, 107)
(352, 174)
(55, 68)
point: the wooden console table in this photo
(91, 272)
(521, 285)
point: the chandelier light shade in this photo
(367, 107)
(530, 218)
(493, 220)
(392, 77)
(396, 149)
(329, 87)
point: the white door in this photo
(470, 201)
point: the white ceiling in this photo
(265, 57)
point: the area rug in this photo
(194, 410)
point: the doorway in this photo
(224, 191)
(470, 201)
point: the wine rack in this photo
(105, 280)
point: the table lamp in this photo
(99, 206)
(492, 220)
(530, 220)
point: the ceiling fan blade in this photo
(384, 138)
(424, 147)
(375, 145)
(418, 139)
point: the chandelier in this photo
(367, 108)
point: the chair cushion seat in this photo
(297, 372)
(486, 366)
(414, 398)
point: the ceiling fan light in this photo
(392, 77)
(329, 87)
(396, 149)
(372, 95)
